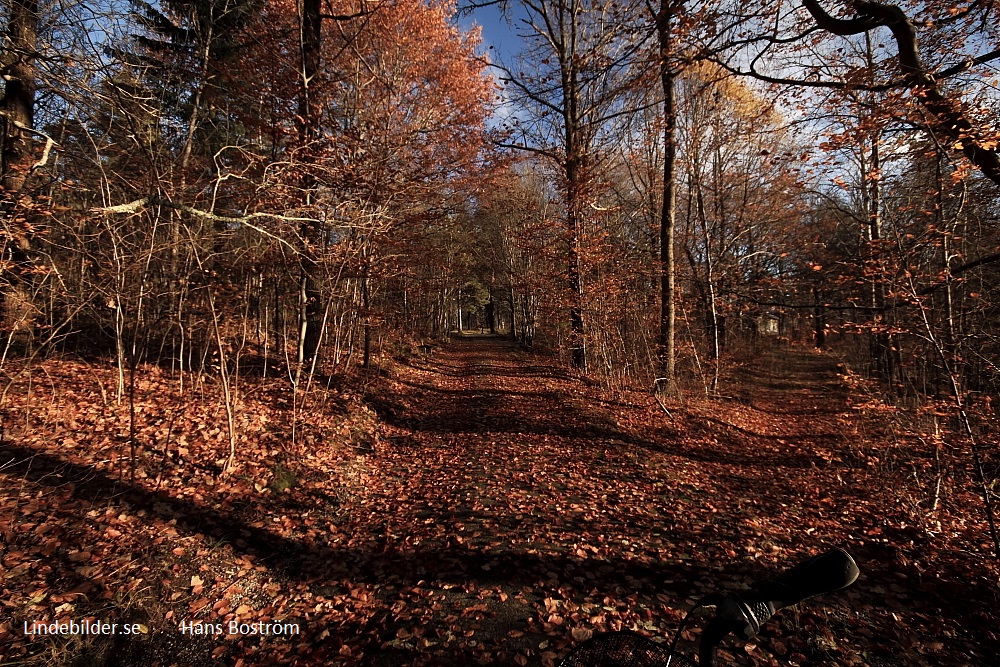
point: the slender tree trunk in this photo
(575, 172)
(366, 315)
(819, 324)
(668, 307)
(574, 179)
(310, 46)
(881, 343)
(513, 311)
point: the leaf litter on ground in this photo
(500, 512)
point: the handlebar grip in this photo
(822, 574)
(745, 613)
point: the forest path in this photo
(505, 511)
(792, 380)
(527, 508)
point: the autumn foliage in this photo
(329, 313)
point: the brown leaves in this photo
(479, 539)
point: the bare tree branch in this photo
(951, 119)
(244, 220)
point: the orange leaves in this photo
(577, 515)
(402, 78)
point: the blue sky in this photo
(496, 32)
(505, 43)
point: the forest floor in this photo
(497, 511)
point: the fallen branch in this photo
(656, 395)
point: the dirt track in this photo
(559, 510)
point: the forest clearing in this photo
(455, 332)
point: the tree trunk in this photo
(668, 307)
(17, 107)
(819, 322)
(310, 36)
(19, 94)
(574, 180)
(366, 317)
(513, 311)
(575, 172)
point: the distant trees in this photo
(571, 81)
(220, 182)
(515, 239)
(590, 102)
(740, 201)
(772, 225)
(900, 247)
(903, 97)
(321, 171)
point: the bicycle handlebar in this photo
(744, 613)
(821, 574)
